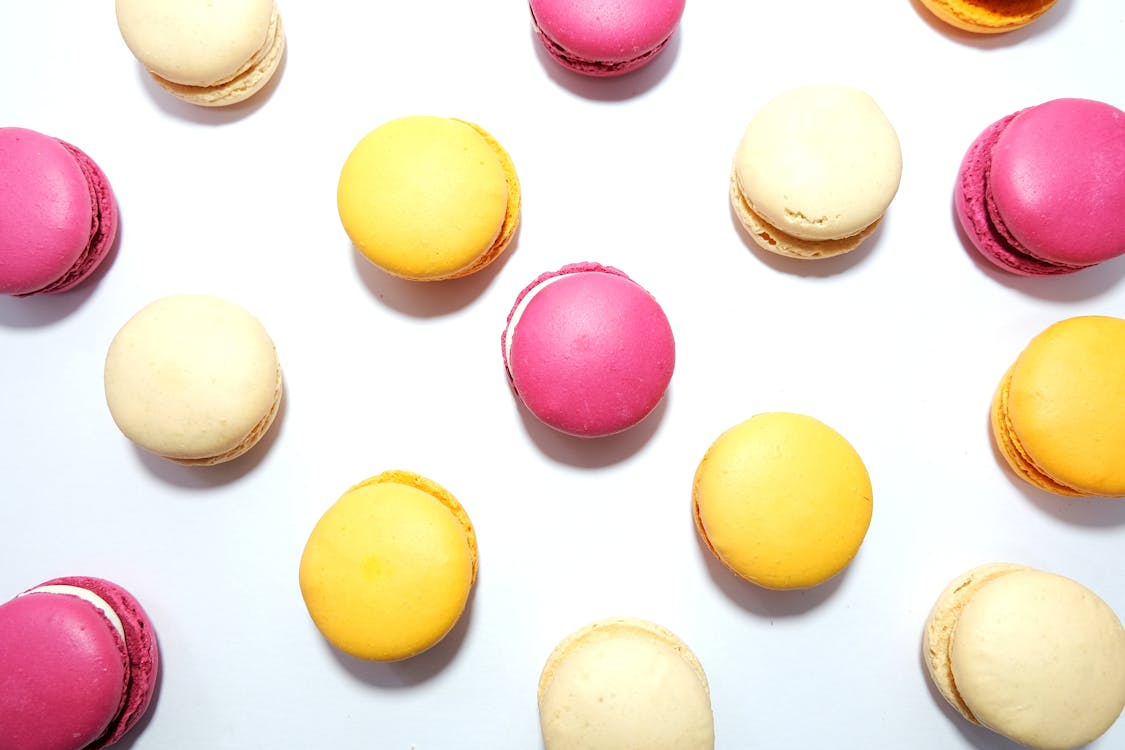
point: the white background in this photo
(898, 346)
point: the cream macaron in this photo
(815, 171)
(193, 378)
(1031, 655)
(624, 683)
(206, 53)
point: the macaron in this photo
(203, 52)
(1058, 415)
(623, 682)
(78, 665)
(782, 500)
(429, 198)
(387, 570)
(1031, 655)
(1042, 191)
(587, 350)
(988, 16)
(605, 38)
(58, 216)
(194, 379)
(815, 171)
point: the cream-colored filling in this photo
(510, 331)
(86, 595)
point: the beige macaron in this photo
(624, 683)
(815, 171)
(207, 53)
(1031, 655)
(194, 379)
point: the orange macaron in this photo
(988, 16)
(1058, 415)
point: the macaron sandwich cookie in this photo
(624, 682)
(429, 198)
(587, 350)
(1042, 191)
(388, 568)
(78, 665)
(204, 52)
(988, 16)
(1031, 655)
(1058, 415)
(815, 171)
(604, 38)
(58, 216)
(782, 500)
(194, 379)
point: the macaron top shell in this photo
(195, 42)
(624, 683)
(192, 377)
(1040, 659)
(782, 500)
(1065, 403)
(605, 34)
(57, 213)
(819, 162)
(429, 198)
(47, 640)
(1058, 181)
(387, 570)
(588, 350)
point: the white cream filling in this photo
(510, 331)
(86, 595)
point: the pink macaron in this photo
(58, 216)
(78, 665)
(588, 350)
(1042, 191)
(605, 37)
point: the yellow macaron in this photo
(1058, 415)
(782, 500)
(429, 198)
(988, 16)
(387, 571)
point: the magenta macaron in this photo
(605, 37)
(1042, 191)
(588, 351)
(58, 216)
(78, 665)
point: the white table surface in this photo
(898, 346)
